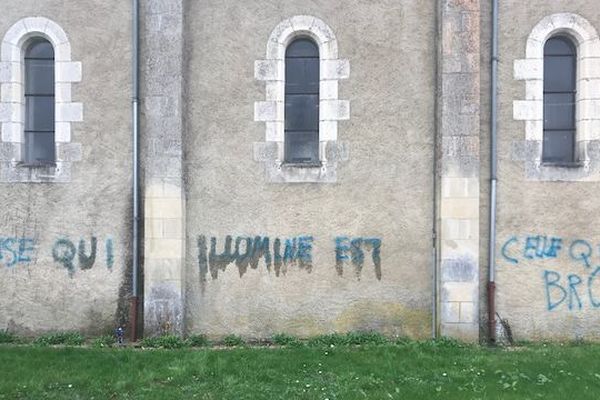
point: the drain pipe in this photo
(434, 211)
(133, 305)
(493, 177)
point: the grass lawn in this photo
(427, 370)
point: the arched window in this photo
(302, 102)
(39, 103)
(560, 71)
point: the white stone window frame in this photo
(531, 109)
(12, 102)
(271, 70)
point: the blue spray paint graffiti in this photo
(280, 254)
(248, 251)
(15, 250)
(571, 291)
(353, 250)
(64, 252)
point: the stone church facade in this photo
(303, 167)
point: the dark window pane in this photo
(302, 102)
(559, 46)
(559, 100)
(559, 74)
(302, 48)
(302, 75)
(302, 112)
(558, 146)
(559, 111)
(302, 147)
(40, 48)
(39, 147)
(39, 113)
(39, 77)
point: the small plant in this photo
(403, 341)
(64, 338)
(332, 339)
(283, 339)
(233, 340)
(164, 341)
(105, 341)
(198, 341)
(7, 337)
(368, 337)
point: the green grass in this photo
(411, 370)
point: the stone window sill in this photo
(48, 164)
(574, 164)
(302, 165)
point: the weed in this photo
(403, 341)
(7, 337)
(332, 339)
(350, 338)
(367, 337)
(198, 341)
(233, 340)
(283, 339)
(164, 341)
(104, 341)
(65, 338)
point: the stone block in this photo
(153, 228)
(173, 228)
(528, 69)
(334, 110)
(69, 112)
(68, 151)
(275, 91)
(268, 111)
(528, 110)
(12, 132)
(454, 229)
(459, 291)
(62, 132)
(275, 131)
(68, 71)
(328, 90)
(62, 92)
(450, 312)
(328, 130)
(335, 69)
(163, 208)
(163, 248)
(468, 312)
(162, 270)
(460, 331)
(463, 208)
(12, 92)
(269, 70)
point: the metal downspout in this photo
(133, 306)
(434, 213)
(493, 177)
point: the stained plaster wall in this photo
(39, 293)
(383, 191)
(542, 292)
